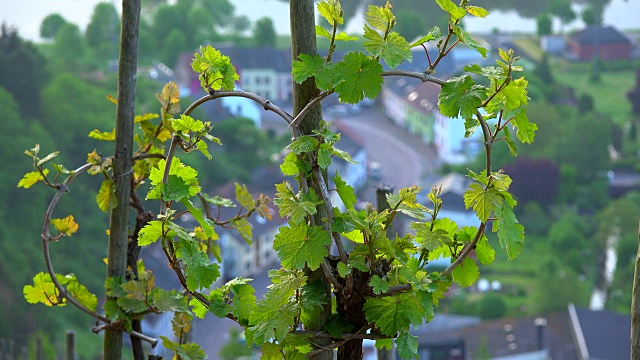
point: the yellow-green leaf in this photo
(106, 197)
(30, 178)
(67, 225)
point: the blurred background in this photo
(576, 184)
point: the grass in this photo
(609, 95)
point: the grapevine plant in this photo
(381, 287)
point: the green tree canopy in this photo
(50, 26)
(264, 33)
(103, 31)
(22, 70)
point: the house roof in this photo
(258, 58)
(422, 96)
(511, 336)
(604, 35)
(444, 328)
(601, 334)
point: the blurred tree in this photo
(634, 96)
(544, 25)
(50, 26)
(562, 10)
(236, 347)
(173, 46)
(103, 31)
(554, 287)
(492, 306)
(593, 13)
(22, 71)
(570, 236)
(264, 34)
(410, 24)
(68, 49)
(543, 70)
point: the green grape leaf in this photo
(526, 130)
(200, 272)
(215, 69)
(271, 351)
(510, 232)
(198, 308)
(343, 36)
(82, 294)
(384, 344)
(346, 192)
(312, 301)
(219, 201)
(331, 10)
(510, 143)
(299, 244)
(483, 202)
(186, 173)
(511, 97)
(378, 285)
(169, 98)
(464, 37)
(407, 345)
(203, 148)
(394, 49)
(307, 66)
(343, 155)
(187, 124)
(380, 18)
(501, 181)
(244, 198)
(343, 270)
(271, 319)
(337, 324)
(466, 273)
(31, 178)
(106, 197)
(324, 156)
(491, 72)
(392, 314)
(43, 291)
(296, 345)
(302, 144)
(150, 233)
(360, 76)
(244, 229)
(190, 351)
(460, 96)
(292, 205)
(169, 300)
(106, 136)
(476, 11)
(434, 34)
(67, 225)
(244, 302)
(289, 165)
(197, 214)
(175, 189)
(320, 31)
(218, 305)
(429, 239)
(454, 10)
(484, 252)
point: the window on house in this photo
(267, 80)
(257, 79)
